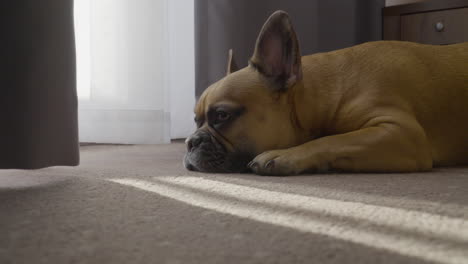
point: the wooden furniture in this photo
(437, 22)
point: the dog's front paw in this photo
(275, 163)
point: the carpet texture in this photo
(137, 204)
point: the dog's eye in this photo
(222, 116)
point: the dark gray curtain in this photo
(321, 25)
(38, 102)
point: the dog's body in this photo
(380, 107)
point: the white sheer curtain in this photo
(135, 70)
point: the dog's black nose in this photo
(190, 167)
(193, 141)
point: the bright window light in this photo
(83, 48)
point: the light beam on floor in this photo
(417, 234)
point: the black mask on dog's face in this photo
(205, 153)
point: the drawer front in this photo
(438, 28)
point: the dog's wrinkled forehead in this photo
(203, 103)
(240, 87)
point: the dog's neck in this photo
(320, 85)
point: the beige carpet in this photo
(137, 204)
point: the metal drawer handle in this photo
(439, 26)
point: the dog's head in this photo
(251, 110)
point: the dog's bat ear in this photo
(231, 65)
(277, 54)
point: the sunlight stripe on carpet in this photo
(441, 238)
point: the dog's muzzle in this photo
(205, 153)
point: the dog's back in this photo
(426, 81)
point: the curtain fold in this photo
(38, 102)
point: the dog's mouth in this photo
(206, 154)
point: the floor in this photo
(137, 204)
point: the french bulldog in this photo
(384, 106)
